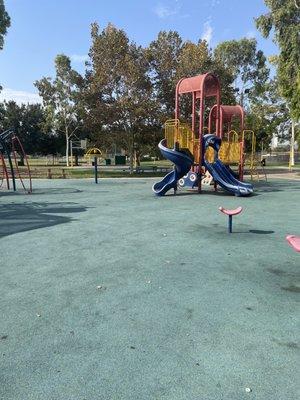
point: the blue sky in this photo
(41, 29)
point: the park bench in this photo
(49, 173)
(56, 173)
(154, 168)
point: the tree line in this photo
(127, 91)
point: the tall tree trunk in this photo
(138, 158)
(131, 167)
(131, 154)
(67, 148)
(292, 146)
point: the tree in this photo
(10, 116)
(118, 91)
(163, 54)
(226, 81)
(27, 121)
(246, 64)
(196, 59)
(269, 115)
(172, 59)
(284, 19)
(61, 98)
(4, 23)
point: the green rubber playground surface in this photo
(109, 293)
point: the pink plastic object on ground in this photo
(294, 241)
(236, 211)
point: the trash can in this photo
(120, 160)
(107, 161)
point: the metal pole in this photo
(201, 151)
(7, 150)
(194, 114)
(230, 224)
(96, 169)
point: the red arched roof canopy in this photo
(200, 86)
(206, 85)
(226, 115)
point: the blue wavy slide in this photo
(182, 162)
(221, 173)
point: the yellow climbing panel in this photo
(175, 131)
(230, 151)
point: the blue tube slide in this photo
(182, 163)
(220, 173)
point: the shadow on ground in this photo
(15, 218)
(56, 191)
(278, 186)
(260, 232)
(47, 191)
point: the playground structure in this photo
(93, 152)
(210, 155)
(13, 162)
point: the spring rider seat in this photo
(294, 242)
(230, 214)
